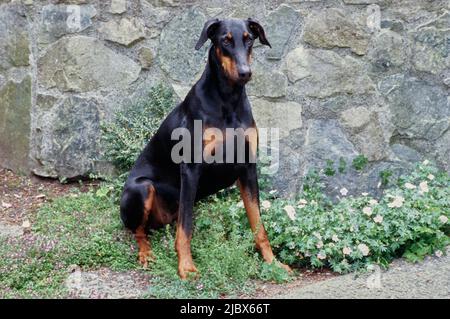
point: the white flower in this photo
(240, 204)
(290, 211)
(397, 202)
(363, 249)
(430, 177)
(438, 253)
(335, 238)
(265, 204)
(6, 205)
(426, 162)
(367, 210)
(302, 203)
(378, 219)
(373, 202)
(343, 191)
(316, 234)
(273, 191)
(365, 194)
(423, 186)
(410, 186)
(346, 250)
(443, 219)
(26, 224)
(321, 255)
(319, 244)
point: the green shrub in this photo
(127, 135)
(359, 162)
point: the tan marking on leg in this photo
(254, 218)
(183, 247)
(145, 253)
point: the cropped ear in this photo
(208, 31)
(258, 31)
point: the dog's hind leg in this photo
(136, 206)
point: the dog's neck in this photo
(215, 81)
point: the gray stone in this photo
(267, 83)
(285, 116)
(245, 9)
(14, 39)
(59, 20)
(431, 49)
(419, 109)
(331, 28)
(442, 151)
(178, 58)
(118, 6)
(365, 1)
(83, 64)
(66, 135)
(321, 73)
(15, 105)
(281, 24)
(126, 32)
(405, 153)
(145, 57)
(356, 117)
(370, 140)
(388, 51)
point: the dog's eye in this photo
(226, 42)
(249, 41)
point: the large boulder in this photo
(177, 55)
(15, 116)
(66, 136)
(322, 73)
(83, 64)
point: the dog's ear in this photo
(208, 31)
(258, 31)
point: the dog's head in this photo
(233, 41)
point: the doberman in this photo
(160, 190)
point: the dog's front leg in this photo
(189, 181)
(248, 185)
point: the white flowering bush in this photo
(410, 220)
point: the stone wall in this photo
(343, 77)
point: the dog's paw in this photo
(187, 270)
(144, 258)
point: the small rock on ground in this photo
(8, 230)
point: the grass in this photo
(84, 229)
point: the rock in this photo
(285, 116)
(393, 25)
(281, 24)
(126, 32)
(419, 109)
(59, 20)
(66, 135)
(69, 65)
(370, 140)
(356, 118)
(431, 52)
(105, 283)
(14, 39)
(442, 151)
(365, 1)
(388, 51)
(145, 57)
(178, 58)
(325, 140)
(405, 153)
(180, 90)
(8, 230)
(267, 83)
(331, 28)
(373, 20)
(72, 1)
(244, 9)
(322, 73)
(118, 6)
(15, 110)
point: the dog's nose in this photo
(245, 75)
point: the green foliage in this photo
(385, 175)
(342, 165)
(329, 168)
(127, 135)
(359, 162)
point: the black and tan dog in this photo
(159, 190)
